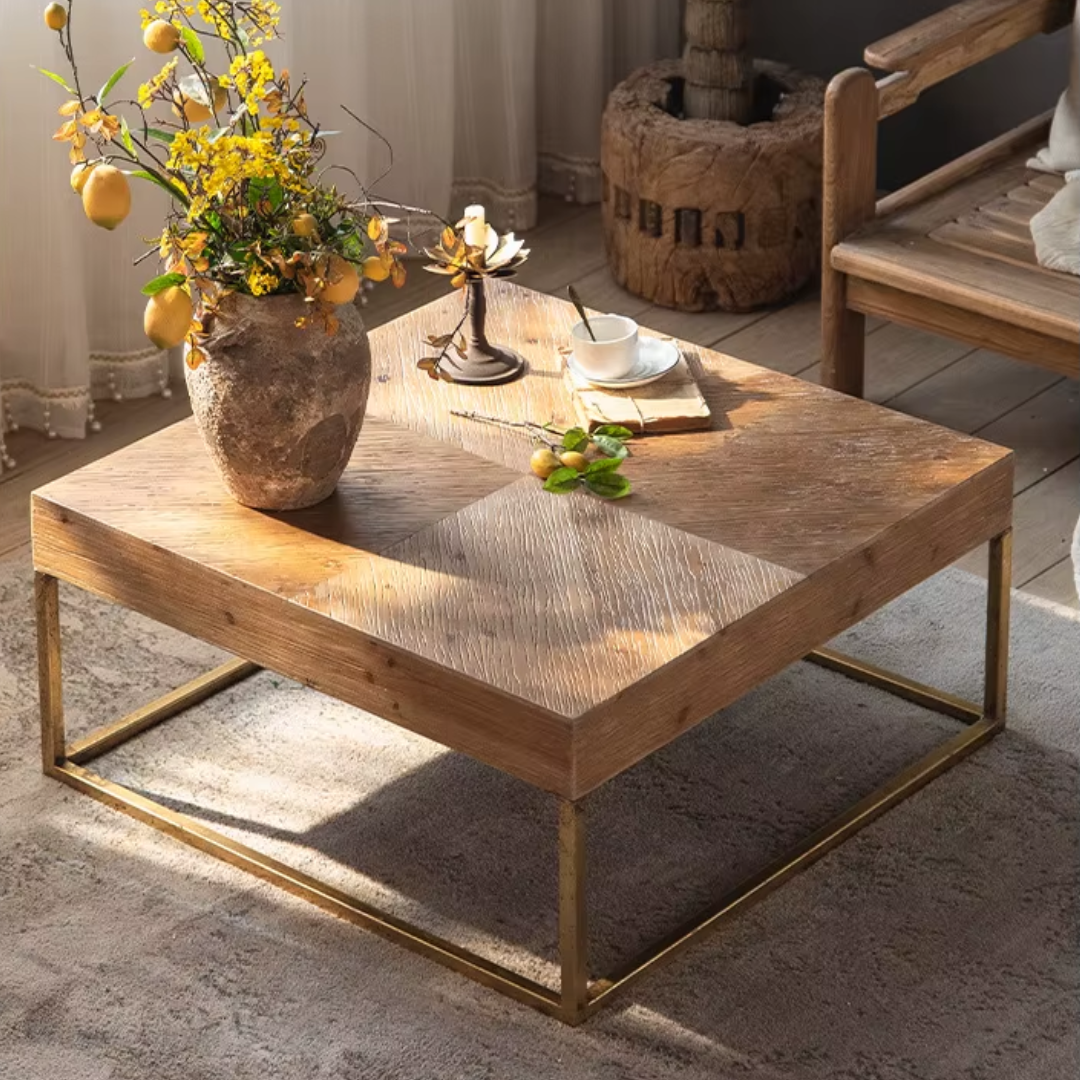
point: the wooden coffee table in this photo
(434, 588)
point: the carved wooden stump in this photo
(704, 214)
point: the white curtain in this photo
(488, 101)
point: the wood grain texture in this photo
(1044, 303)
(848, 201)
(1043, 433)
(976, 178)
(704, 215)
(1057, 584)
(443, 590)
(674, 403)
(953, 30)
(982, 331)
(956, 38)
(559, 601)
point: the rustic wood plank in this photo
(983, 174)
(728, 665)
(848, 202)
(1043, 432)
(899, 357)
(453, 593)
(1040, 302)
(580, 245)
(954, 39)
(789, 340)
(44, 460)
(977, 235)
(301, 644)
(974, 391)
(704, 328)
(31, 448)
(599, 290)
(950, 33)
(1057, 584)
(1044, 517)
(981, 331)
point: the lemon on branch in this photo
(342, 281)
(106, 196)
(80, 174)
(161, 36)
(168, 317)
(56, 17)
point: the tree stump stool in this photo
(703, 214)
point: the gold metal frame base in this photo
(578, 997)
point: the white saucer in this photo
(655, 358)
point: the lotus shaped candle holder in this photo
(468, 254)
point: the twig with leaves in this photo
(563, 465)
(444, 343)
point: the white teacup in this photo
(612, 354)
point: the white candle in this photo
(475, 226)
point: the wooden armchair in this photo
(952, 252)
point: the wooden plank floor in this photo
(1017, 405)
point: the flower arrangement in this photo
(235, 149)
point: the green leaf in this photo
(611, 446)
(608, 485)
(112, 80)
(161, 136)
(56, 79)
(192, 44)
(164, 184)
(160, 284)
(601, 465)
(265, 188)
(562, 481)
(575, 439)
(616, 431)
(125, 137)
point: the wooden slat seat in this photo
(970, 248)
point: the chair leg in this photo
(843, 338)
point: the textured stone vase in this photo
(280, 406)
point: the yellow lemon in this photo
(168, 317)
(55, 17)
(305, 225)
(342, 281)
(544, 462)
(195, 112)
(106, 196)
(573, 460)
(80, 174)
(376, 269)
(161, 36)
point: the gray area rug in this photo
(938, 944)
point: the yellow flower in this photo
(261, 281)
(149, 89)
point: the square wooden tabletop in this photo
(560, 638)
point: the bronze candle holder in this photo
(475, 361)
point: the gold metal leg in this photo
(995, 697)
(576, 998)
(50, 688)
(573, 924)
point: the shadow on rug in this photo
(940, 943)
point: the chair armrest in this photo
(948, 35)
(954, 39)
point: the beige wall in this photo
(825, 36)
